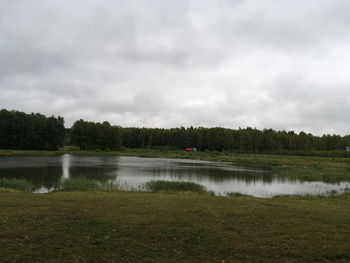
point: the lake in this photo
(222, 178)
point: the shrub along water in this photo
(84, 184)
(69, 184)
(78, 184)
(156, 186)
(17, 184)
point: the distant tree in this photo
(19, 130)
(91, 136)
(248, 140)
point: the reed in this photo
(78, 184)
(157, 186)
(84, 184)
(17, 184)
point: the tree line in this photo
(248, 140)
(19, 130)
(90, 136)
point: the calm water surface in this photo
(130, 172)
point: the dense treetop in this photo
(89, 135)
(247, 140)
(19, 130)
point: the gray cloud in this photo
(265, 64)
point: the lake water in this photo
(130, 172)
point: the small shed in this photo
(191, 149)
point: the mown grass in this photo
(157, 186)
(100, 226)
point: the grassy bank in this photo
(162, 227)
(301, 167)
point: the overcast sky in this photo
(159, 63)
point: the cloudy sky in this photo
(159, 63)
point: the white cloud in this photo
(265, 64)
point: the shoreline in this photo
(305, 168)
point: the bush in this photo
(156, 186)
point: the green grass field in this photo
(98, 226)
(102, 224)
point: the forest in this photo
(19, 130)
(248, 140)
(91, 136)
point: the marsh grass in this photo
(17, 184)
(157, 186)
(235, 194)
(84, 184)
(78, 184)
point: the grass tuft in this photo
(157, 186)
(79, 184)
(17, 184)
(235, 194)
(84, 184)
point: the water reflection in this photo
(222, 178)
(65, 165)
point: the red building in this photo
(190, 149)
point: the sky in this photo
(159, 63)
